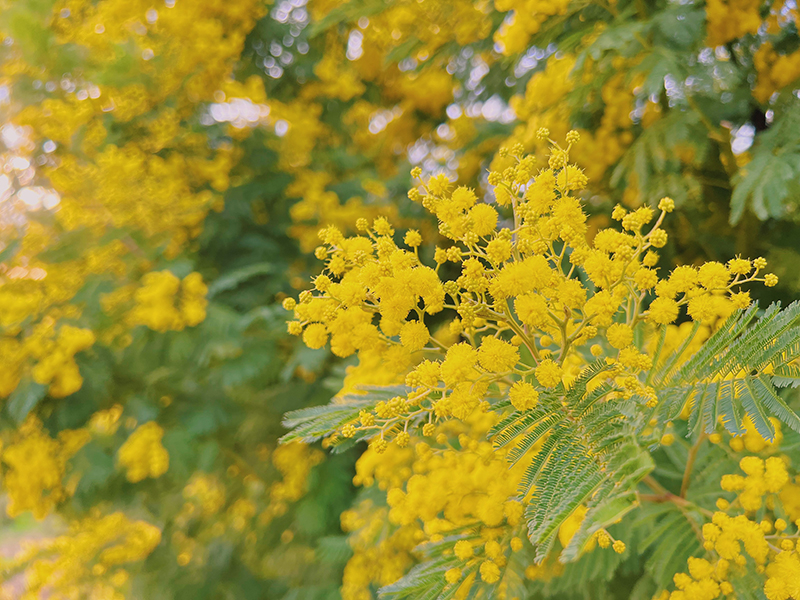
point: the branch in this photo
(687, 473)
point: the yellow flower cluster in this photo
(129, 172)
(447, 493)
(762, 477)
(731, 19)
(56, 367)
(106, 422)
(142, 454)
(207, 492)
(431, 87)
(380, 555)
(531, 295)
(294, 463)
(239, 508)
(54, 353)
(735, 540)
(34, 465)
(166, 303)
(33, 291)
(707, 580)
(544, 105)
(87, 561)
(775, 71)
(527, 18)
(437, 490)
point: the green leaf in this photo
(312, 424)
(345, 13)
(748, 585)
(10, 251)
(25, 398)
(729, 377)
(233, 279)
(772, 177)
(581, 451)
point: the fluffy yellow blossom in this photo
(619, 335)
(490, 572)
(735, 540)
(663, 311)
(164, 302)
(414, 335)
(523, 396)
(35, 465)
(463, 549)
(106, 422)
(452, 575)
(315, 335)
(56, 366)
(517, 308)
(548, 373)
(142, 454)
(497, 355)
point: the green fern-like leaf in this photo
(312, 424)
(582, 450)
(736, 373)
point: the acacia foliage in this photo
(161, 165)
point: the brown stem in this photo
(668, 497)
(651, 482)
(662, 494)
(682, 505)
(687, 472)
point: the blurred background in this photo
(164, 168)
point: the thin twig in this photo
(687, 472)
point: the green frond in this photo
(518, 423)
(628, 465)
(675, 545)
(531, 438)
(577, 390)
(503, 423)
(591, 399)
(754, 407)
(577, 479)
(581, 452)
(736, 373)
(540, 460)
(748, 585)
(787, 375)
(570, 483)
(766, 393)
(312, 424)
(424, 581)
(710, 350)
(727, 411)
(703, 417)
